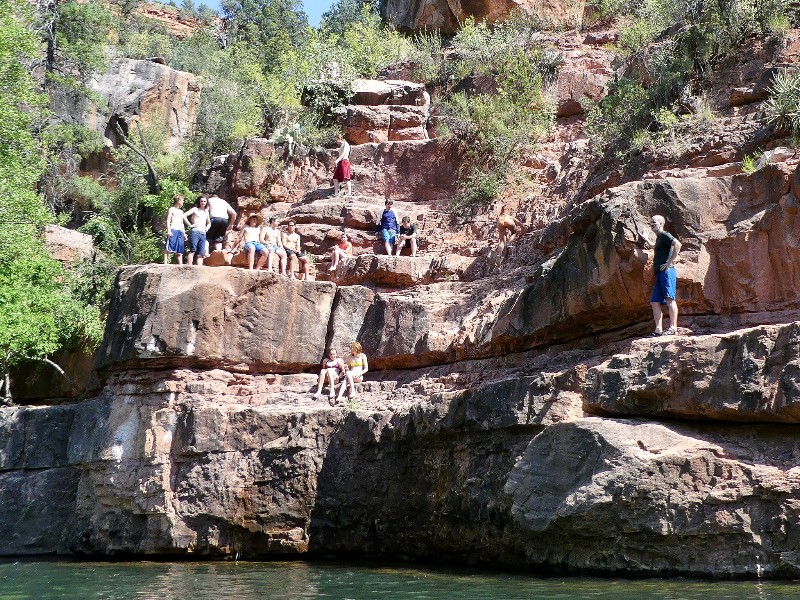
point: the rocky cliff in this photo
(513, 416)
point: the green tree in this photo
(38, 311)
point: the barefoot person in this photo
(407, 238)
(342, 171)
(291, 243)
(388, 227)
(343, 249)
(357, 367)
(251, 238)
(664, 290)
(271, 238)
(198, 220)
(177, 236)
(508, 228)
(222, 219)
(333, 369)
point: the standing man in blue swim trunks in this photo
(388, 227)
(666, 249)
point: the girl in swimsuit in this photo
(358, 367)
(333, 369)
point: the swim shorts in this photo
(665, 286)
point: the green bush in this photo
(782, 108)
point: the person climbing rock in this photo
(388, 227)
(291, 243)
(342, 171)
(508, 228)
(199, 224)
(407, 237)
(251, 238)
(665, 287)
(222, 219)
(176, 235)
(343, 249)
(333, 369)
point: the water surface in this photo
(300, 580)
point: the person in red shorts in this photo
(342, 172)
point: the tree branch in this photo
(152, 177)
(71, 381)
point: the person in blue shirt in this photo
(388, 227)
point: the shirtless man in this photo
(250, 237)
(508, 228)
(198, 227)
(291, 243)
(177, 236)
(271, 238)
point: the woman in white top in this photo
(199, 226)
(176, 236)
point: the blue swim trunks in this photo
(197, 242)
(665, 287)
(388, 235)
(175, 242)
(257, 245)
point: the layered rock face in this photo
(513, 414)
(142, 91)
(446, 16)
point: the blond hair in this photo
(356, 347)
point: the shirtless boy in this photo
(250, 237)
(291, 243)
(271, 238)
(177, 236)
(198, 220)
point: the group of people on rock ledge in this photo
(211, 219)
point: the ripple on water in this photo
(299, 580)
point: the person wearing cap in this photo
(251, 236)
(222, 219)
(388, 227)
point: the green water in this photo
(296, 580)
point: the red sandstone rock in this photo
(67, 245)
(446, 16)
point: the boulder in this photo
(630, 496)
(166, 314)
(371, 92)
(401, 271)
(67, 245)
(747, 375)
(584, 75)
(377, 124)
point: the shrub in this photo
(782, 108)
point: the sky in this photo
(313, 8)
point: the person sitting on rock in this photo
(407, 238)
(508, 228)
(333, 369)
(222, 220)
(271, 238)
(388, 227)
(251, 238)
(199, 224)
(343, 249)
(357, 367)
(291, 243)
(342, 171)
(665, 287)
(177, 237)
